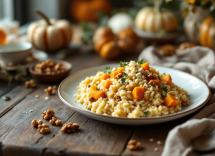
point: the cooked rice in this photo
(128, 106)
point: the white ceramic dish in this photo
(15, 52)
(40, 55)
(199, 94)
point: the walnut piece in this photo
(30, 84)
(168, 50)
(149, 75)
(70, 127)
(44, 128)
(91, 99)
(185, 102)
(48, 114)
(49, 67)
(133, 145)
(55, 121)
(186, 45)
(35, 123)
(117, 98)
(50, 90)
(119, 76)
(152, 83)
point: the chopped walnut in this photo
(89, 86)
(119, 75)
(44, 128)
(133, 145)
(49, 67)
(91, 99)
(149, 75)
(152, 83)
(117, 98)
(35, 123)
(185, 102)
(70, 127)
(186, 45)
(55, 121)
(30, 84)
(50, 90)
(48, 114)
(168, 50)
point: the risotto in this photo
(132, 90)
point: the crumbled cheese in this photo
(31, 110)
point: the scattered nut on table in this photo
(168, 50)
(30, 84)
(35, 123)
(70, 127)
(55, 121)
(49, 67)
(44, 128)
(48, 114)
(50, 91)
(186, 45)
(133, 145)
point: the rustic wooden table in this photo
(19, 138)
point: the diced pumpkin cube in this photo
(104, 76)
(116, 72)
(145, 66)
(170, 101)
(156, 80)
(96, 93)
(107, 84)
(167, 78)
(138, 92)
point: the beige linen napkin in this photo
(200, 62)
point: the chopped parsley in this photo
(164, 88)
(163, 95)
(159, 77)
(97, 84)
(97, 88)
(107, 70)
(147, 112)
(123, 78)
(140, 62)
(164, 73)
(123, 64)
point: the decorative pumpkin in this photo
(120, 21)
(87, 10)
(192, 23)
(207, 33)
(154, 20)
(109, 46)
(49, 35)
(3, 37)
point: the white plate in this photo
(198, 91)
(40, 55)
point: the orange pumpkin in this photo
(87, 10)
(207, 33)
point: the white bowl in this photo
(14, 52)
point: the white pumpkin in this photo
(120, 21)
(192, 23)
(50, 35)
(151, 20)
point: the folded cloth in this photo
(200, 62)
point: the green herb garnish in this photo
(97, 88)
(97, 84)
(108, 70)
(164, 73)
(159, 77)
(123, 78)
(164, 88)
(147, 112)
(163, 95)
(140, 62)
(123, 64)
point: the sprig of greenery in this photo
(163, 95)
(107, 70)
(159, 77)
(123, 78)
(147, 112)
(140, 62)
(123, 64)
(164, 88)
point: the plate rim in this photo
(139, 118)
